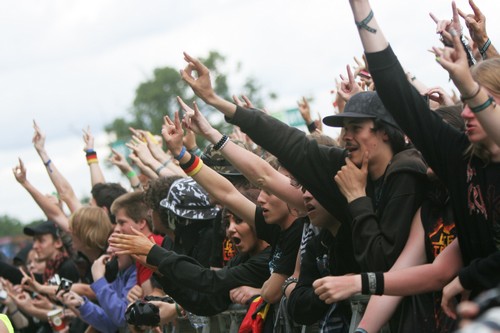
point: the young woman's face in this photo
(35, 265)
(473, 128)
(241, 234)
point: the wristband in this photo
(181, 154)
(181, 313)
(463, 99)
(131, 174)
(91, 157)
(167, 162)
(222, 142)
(196, 151)
(490, 101)
(158, 170)
(485, 48)
(363, 24)
(311, 127)
(287, 283)
(360, 330)
(14, 312)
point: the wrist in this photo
(214, 136)
(353, 196)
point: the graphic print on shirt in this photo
(475, 201)
(441, 236)
(275, 259)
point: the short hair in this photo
(92, 226)
(135, 207)
(105, 193)
(157, 191)
(396, 136)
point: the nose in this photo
(346, 135)
(231, 229)
(306, 195)
(467, 113)
(261, 199)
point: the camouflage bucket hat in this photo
(189, 200)
(215, 160)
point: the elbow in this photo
(271, 296)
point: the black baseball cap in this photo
(47, 227)
(365, 104)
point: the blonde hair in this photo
(487, 74)
(92, 226)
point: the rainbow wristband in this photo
(91, 158)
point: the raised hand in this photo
(194, 119)
(246, 103)
(38, 138)
(172, 134)
(348, 87)
(476, 23)
(119, 160)
(201, 84)
(140, 148)
(455, 61)
(88, 138)
(305, 110)
(20, 172)
(437, 94)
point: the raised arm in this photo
(372, 38)
(480, 100)
(49, 207)
(202, 86)
(252, 166)
(96, 175)
(62, 186)
(476, 23)
(121, 163)
(216, 185)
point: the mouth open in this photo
(236, 240)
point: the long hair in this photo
(487, 74)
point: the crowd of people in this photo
(391, 227)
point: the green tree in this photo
(10, 226)
(156, 97)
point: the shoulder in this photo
(409, 160)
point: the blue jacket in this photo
(109, 315)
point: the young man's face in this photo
(46, 247)
(124, 223)
(275, 211)
(360, 136)
(317, 214)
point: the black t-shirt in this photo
(69, 270)
(285, 243)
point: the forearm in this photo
(372, 41)
(96, 175)
(51, 210)
(378, 312)
(271, 289)
(18, 319)
(226, 107)
(62, 186)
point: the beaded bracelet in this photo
(222, 142)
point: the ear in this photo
(58, 243)
(142, 224)
(385, 137)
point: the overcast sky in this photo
(70, 64)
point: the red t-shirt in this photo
(144, 273)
